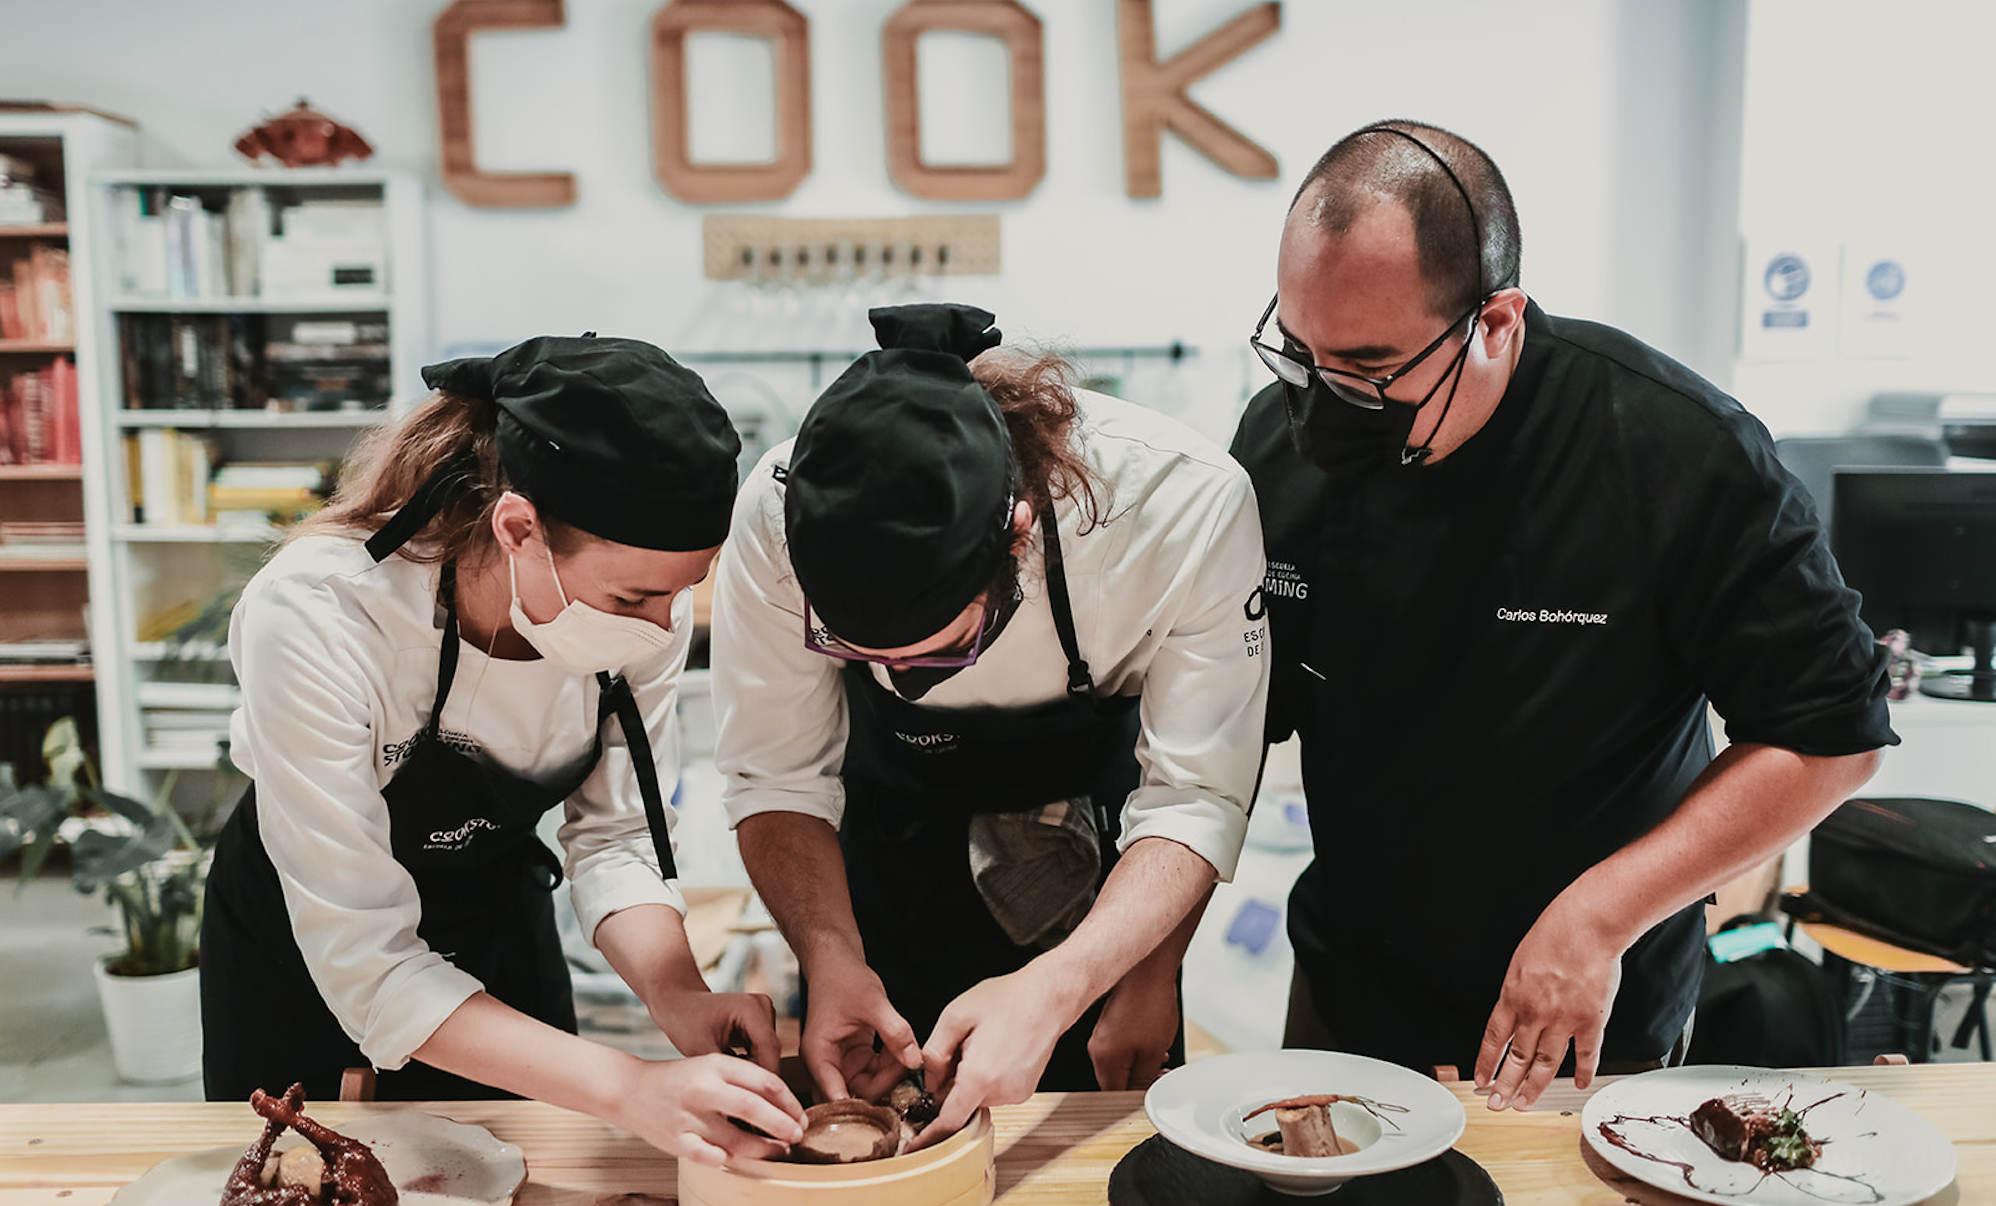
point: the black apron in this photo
(464, 830)
(915, 776)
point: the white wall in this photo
(1602, 115)
(1864, 120)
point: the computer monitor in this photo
(1920, 546)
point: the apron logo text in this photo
(926, 740)
(459, 838)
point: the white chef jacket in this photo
(1165, 605)
(337, 657)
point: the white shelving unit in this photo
(150, 567)
(64, 592)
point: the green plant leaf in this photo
(62, 749)
(124, 806)
(34, 854)
(26, 814)
(99, 858)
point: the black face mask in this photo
(1350, 442)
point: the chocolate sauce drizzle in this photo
(1687, 1169)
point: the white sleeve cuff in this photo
(1206, 825)
(416, 999)
(601, 891)
(742, 801)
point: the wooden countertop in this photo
(1054, 1149)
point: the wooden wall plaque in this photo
(715, 182)
(452, 32)
(1154, 96)
(1019, 29)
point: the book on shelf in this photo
(167, 472)
(35, 299)
(272, 362)
(42, 552)
(50, 652)
(209, 697)
(173, 479)
(25, 198)
(40, 419)
(20, 532)
(232, 242)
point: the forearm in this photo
(1165, 958)
(1749, 805)
(1152, 896)
(797, 868)
(647, 946)
(495, 1044)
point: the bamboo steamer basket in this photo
(959, 1171)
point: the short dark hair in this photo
(1371, 163)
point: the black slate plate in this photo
(1155, 1173)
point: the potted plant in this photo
(150, 867)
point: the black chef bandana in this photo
(610, 435)
(900, 487)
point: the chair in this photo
(1916, 980)
(1814, 460)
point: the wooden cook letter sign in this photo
(1154, 99)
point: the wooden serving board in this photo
(1057, 1148)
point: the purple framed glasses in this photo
(819, 639)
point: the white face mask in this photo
(581, 638)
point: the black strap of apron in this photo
(617, 697)
(447, 650)
(421, 508)
(1079, 682)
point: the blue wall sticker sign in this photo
(1787, 277)
(1886, 280)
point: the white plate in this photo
(1877, 1153)
(1200, 1106)
(430, 1159)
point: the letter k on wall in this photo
(1154, 96)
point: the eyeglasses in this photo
(819, 639)
(1368, 393)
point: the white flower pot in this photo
(155, 1024)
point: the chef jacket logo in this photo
(1257, 605)
(459, 838)
(1787, 278)
(1548, 615)
(1284, 581)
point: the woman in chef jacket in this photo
(977, 637)
(488, 621)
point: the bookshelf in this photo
(55, 613)
(260, 320)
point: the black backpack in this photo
(1917, 873)
(1774, 1009)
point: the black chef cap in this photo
(899, 497)
(610, 435)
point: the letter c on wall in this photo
(452, 33)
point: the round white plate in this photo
(1876, 1152)
(1199, 1107)
(430, 1159)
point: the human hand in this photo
(700, 1022)
(695, 1109)
(848, 1010)
(1560, 988)
(1133, 1037)
(989, 1047)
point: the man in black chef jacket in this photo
(1510, 558)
